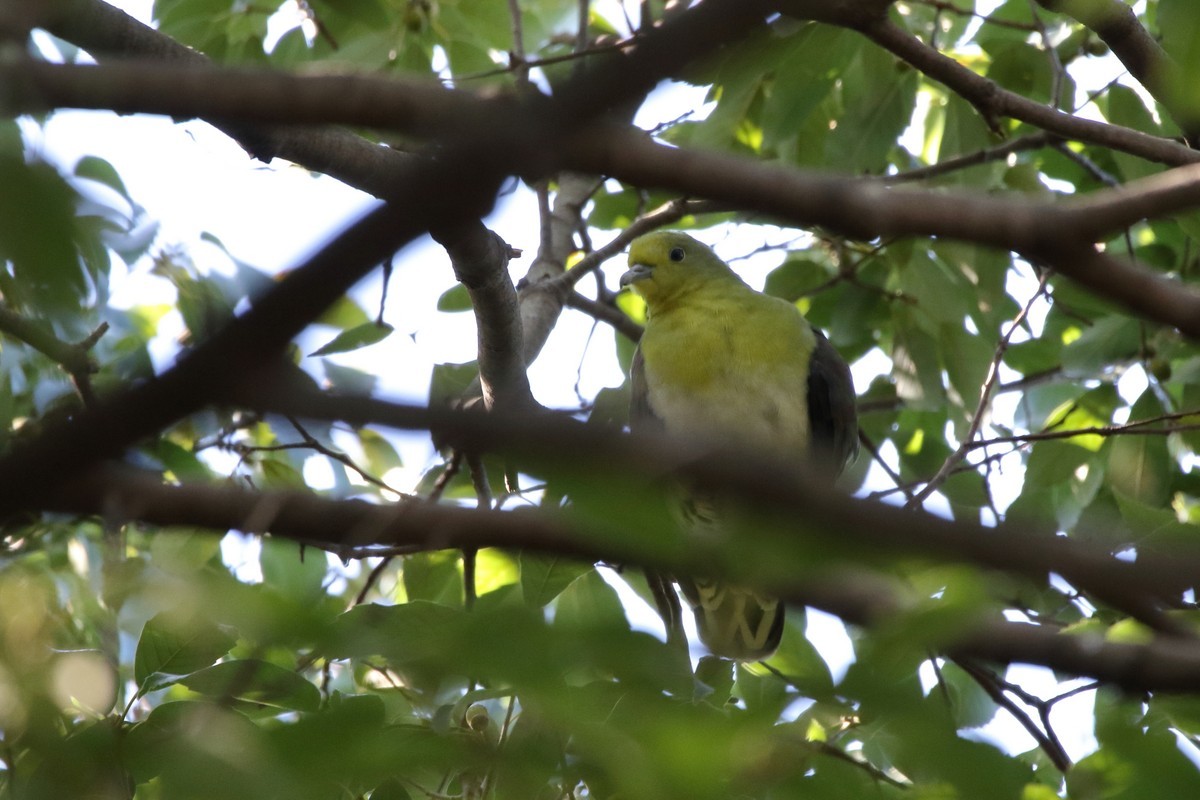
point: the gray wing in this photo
(642, 419)
(832, 415)
(641, 416)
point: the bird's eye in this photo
(676, 254)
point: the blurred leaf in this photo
(1140, 465)
(291, 570)
(355, 339)
(94, 168)
(800, 662)
(543, 577)
(176, 644)
(456, 298)
(795, 278)
(1107, 340)
(37, 233)
(436, 577)
(255, 681)
(589, 601)
(450, 381)
(345, 314)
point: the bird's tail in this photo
(734, 622)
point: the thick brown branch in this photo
(1118, 26)
(457, 186)
(867, 17)
(542, 297)
(480, 261)
(1056, 233)
(109, 33)
(612, 149)
(240, 352)
(784, 489)
(74, 358)
(858, 597)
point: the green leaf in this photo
(37, 233)
(94, 168)
(918, 374)
(291, 570)
(174, 643)
(1140, 465)
(355, 339)
(714, 676)
(344, 314)
(255, 681)
(381, 455)
(879, 93)
(795, 278)
(195, 750)
(1022, 68)
(800, 662)
(1179, 23)
(543, 577)
(807, 74)
(763, 694)
(1108, 340)
(963, 132)
(456, 298)
(972, 706)
(436, 577)
(589, 601)
(278, 474)
(184, 550)
(450, 381)
(348, 380)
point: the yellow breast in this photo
(732, 370)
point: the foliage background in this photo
(1010, 257)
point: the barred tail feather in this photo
(735, 622)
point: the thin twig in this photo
(606, 313)
(1047, 740)
(985, 398)
(1033, 141)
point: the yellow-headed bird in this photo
(722, 363)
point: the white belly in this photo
(752, 414)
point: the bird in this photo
(721, 363)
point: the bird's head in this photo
(664, 264)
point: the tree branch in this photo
(1117, 26)
(789, 490)
(542, 298)
(458, 186)
(480, 261)
(75, 358)
(1057, 233)
(349, 528)
(989, 98)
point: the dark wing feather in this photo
(832, 416)
(642, 418)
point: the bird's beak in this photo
(637, 272)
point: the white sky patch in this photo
(641, 615)
(241, 553)
(828, 635)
